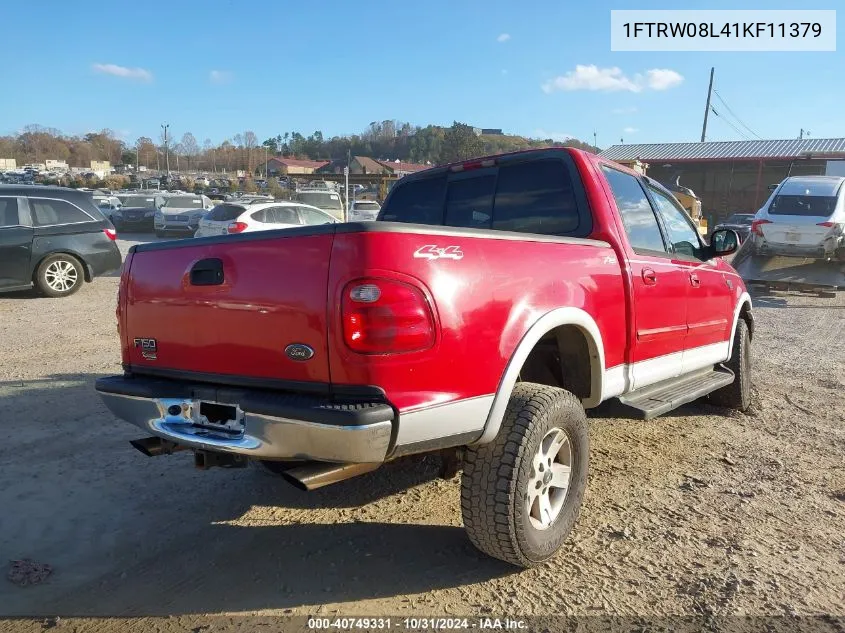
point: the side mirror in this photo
(724, 242)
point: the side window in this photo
(47, 212)
(313, 218)
(682, 234)
(285, 215)
(469, 202)
(536, 197)
(263, 215)
(9, 215)
(637, 215)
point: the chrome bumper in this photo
(257, 435)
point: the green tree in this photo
(460, 143)
(250, 186)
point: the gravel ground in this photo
(702, 512)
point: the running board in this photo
(654, 400)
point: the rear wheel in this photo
(59, 275)
(737, 395)
(521, 493)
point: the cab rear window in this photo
(537, 196)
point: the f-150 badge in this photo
(148, 348)
(432, 251)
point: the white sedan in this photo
(232, 217)
(804, 217)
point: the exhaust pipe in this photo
(155, 446)
(318, 474)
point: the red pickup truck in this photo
(490, 304)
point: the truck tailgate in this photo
(271, 294)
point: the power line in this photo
(728, 122)
(740, 121)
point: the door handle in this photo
(207, 272)
(694, 280)
(649, 277)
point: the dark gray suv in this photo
(54, 238)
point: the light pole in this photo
(164, 127)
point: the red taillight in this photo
(827, 225)
(382, 316)
(755, 226)
(111, 234)
(236, 227)
(473, 164)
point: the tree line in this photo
(385, 140)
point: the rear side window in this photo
(47, 212)
(9, 215)
(311, 217)
(813, 206)
(284, 215)
(637, 215)
(537, 196)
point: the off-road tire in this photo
(45, 279)
(737, 395)
(495, 476)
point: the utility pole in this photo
(346, 174)
(707, 107)
(595, 141)
(164, 127)
(266, 160)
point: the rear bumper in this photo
(105, 261)
(273, 426)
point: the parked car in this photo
(804, 217)
(326, 200)
(181, 214)
(138, 212)
(364, 210)
(107, 203)
(492, 302)
(230, 218)
(738, 222)
(54, 238)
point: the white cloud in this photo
(662, 78)
(591, 77)
(122, 71)
(555, 136)
(631, 130)
(631, 110)
(504, 37)
(220, 76)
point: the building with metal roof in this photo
(729, 150)
(733, 176)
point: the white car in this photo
(804, 217)
(181, 214)
(328, 201)
(233, 217)
(364, 211)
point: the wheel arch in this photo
(743, 310)
(87, 273)
(567, 317)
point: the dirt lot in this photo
(701, 512)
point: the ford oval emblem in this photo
(299, 351)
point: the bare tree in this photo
(250, 142)
(189, 147)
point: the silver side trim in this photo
(442, 420)
(262, 436)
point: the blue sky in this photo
(219, 67)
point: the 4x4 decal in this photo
(432, 251)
